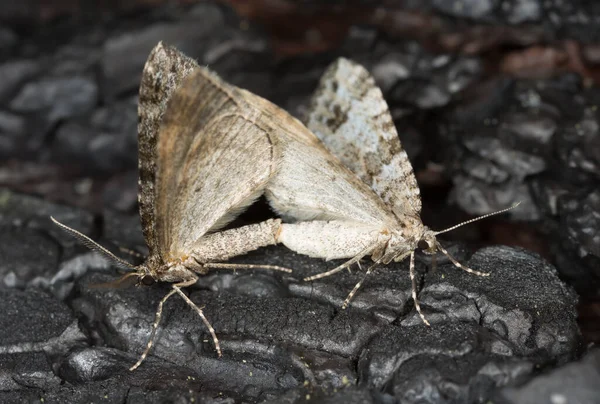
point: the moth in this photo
(206, 152)
(350, 191)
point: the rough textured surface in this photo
(573, 383)
(283, 338)
(483, 127)
(536, 141)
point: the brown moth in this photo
(351, 192)
(206, 152)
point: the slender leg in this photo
(122, 280)
(358, 265)
(346, 264)
(154, 328)
(177, 289)
(220, 265)
(414, 288)
(458, 264)
(358, 285)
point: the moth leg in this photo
(154, 328)
(177, 288)
(414, 288)
(222, 265)
(357, 286)
(346, 264)
(458, 264)
(358, 265)
(223, 245)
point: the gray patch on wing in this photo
(350, 116)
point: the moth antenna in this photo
(92, 245)
(477, 218)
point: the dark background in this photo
(494, 101)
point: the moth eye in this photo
(423, 245)
(147, 280)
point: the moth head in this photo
(146, 280)
(146, 275)
(429, 245)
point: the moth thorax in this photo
(174, 272)
(397, 247)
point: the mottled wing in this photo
(165, 68)
(349, 114)
(312, 184)
(214, 159)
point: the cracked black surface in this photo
(64, 339)
(68, 137)
(535, 141)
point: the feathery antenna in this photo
(92, 245)
(477, 218)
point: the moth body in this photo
(205, 154)
(208, 149)
(347, 189)
(174, 271)
(322, 239)
(411, 234)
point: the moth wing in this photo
(350, 116)
(310, 182)
(214, 159)
(163, 72)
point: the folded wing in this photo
(215, 156)
(310, 183)
(165, 68)
(349, 114)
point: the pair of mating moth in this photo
(342, 184)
